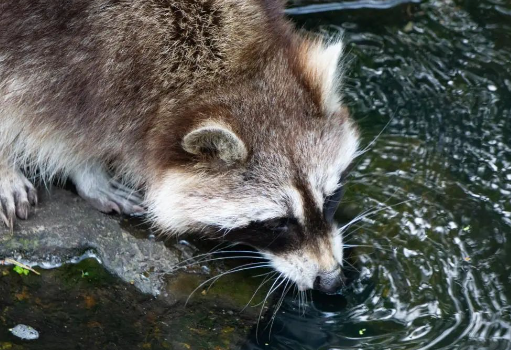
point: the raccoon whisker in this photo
(248, 268)
(368, 147)
(362, 179)
(367, 213)
(132, 195)
(296, 296)
(206, 255)
(279, 303)
(301, 307)
(236, 269)
(224, 252)
(276, 309)
(366, 227)
(376, 247)
(301, 303)
(304, 303)
(343, 283)
(262, 274)
(361, 216)
(309, 294)
(278, 277)
(347, 61)
(226, 232)
(221, 258)
(278, 306)
(351, 265)
(235, 251)
(201, 256)
(305, 293)
(219, 246)
(265, 280)
(344, 238)
(217, 277)
(350, 238)
(390, 250)
(211, 254)
(272, 289)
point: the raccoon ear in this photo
(323, 70)
(217, 141)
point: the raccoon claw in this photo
(108, 201)
(17, 195)
(129, 201)
(112, 203)
(105, 194)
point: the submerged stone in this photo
(24, 332)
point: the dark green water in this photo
(436, 272)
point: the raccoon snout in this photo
(329, 282)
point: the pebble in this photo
(24, 332)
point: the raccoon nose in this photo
(329, 282)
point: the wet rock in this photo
(68, 301)
(65, 229)
(63, 226)
(24, 332)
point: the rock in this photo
(63, 227)
(24, 332)
(67, 301)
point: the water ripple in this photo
(346, 5)
(434, 272)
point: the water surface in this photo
(433, 272)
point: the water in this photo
(431, 269)
(434, 272)
(82, 306)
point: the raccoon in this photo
(218, 116)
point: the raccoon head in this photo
(260, 162)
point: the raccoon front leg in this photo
(17, 195)
(104, 193)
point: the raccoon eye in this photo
(279, 225)
(331, 203)
(267, 234)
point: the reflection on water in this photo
(433, 272)
(306, 9)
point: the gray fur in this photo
(217, 110)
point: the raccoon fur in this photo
(217, 115)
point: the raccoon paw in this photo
(105, 194)
(17, 195)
